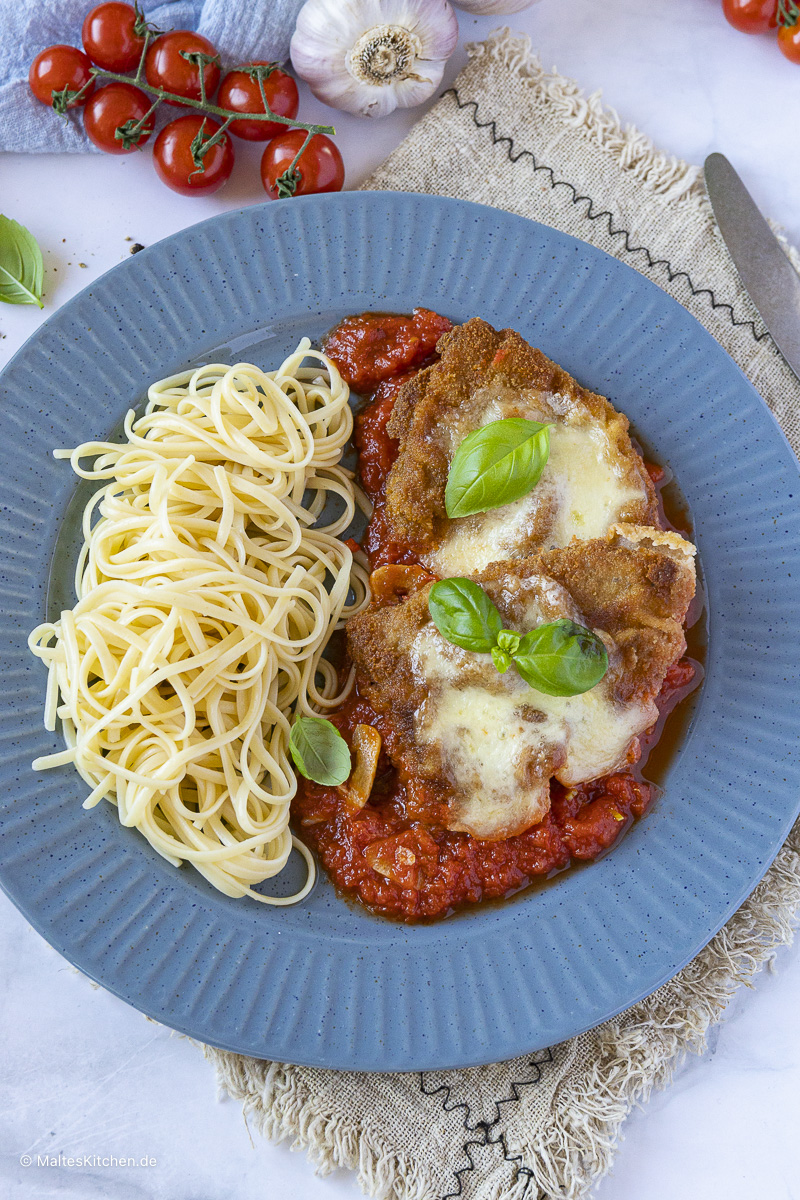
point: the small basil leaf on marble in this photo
(464, 614)
(21, 265)
(319, 751)
(496, 465)
(561, 658)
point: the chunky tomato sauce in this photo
(371, 348)
(394, 854)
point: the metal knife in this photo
(769, 278)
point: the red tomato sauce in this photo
(371, 348)
(394, 855)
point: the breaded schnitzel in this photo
(594, 477)
(488, 743)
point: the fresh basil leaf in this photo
(464, 614)
(508, 640)
(21, 266)
(319, 751)
(561, 659)
(496, 465)
(501, 659)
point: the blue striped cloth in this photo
(240, 29)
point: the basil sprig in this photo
(319, 751)
(21, 265)
(496, 465)
(560, 658)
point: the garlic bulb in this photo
(493, 8)
(371, 56)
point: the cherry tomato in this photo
(789, 41)
(110, 38)
(165, 67)
(240, 93)
(172, 155)
(320, 168)
(751, 16)
(109, 108)
(60, 67)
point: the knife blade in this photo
(769, 278)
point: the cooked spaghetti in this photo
(209, 583)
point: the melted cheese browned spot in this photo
(594, 477)
(490, 743)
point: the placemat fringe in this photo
(281, 1108)
(664, 174)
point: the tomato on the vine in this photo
(789, 41)
(174, 161)
(110, 108)
(319, 169)
(240, 92)
(110, 38)
(58, 68)
(751, 16)
(165, 67)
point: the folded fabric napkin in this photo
(545, 1125)
(240, 29)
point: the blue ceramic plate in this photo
(324, 983)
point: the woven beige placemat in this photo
(512, 135)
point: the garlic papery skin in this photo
(371, 56)
(493, 8)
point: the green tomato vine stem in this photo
(213, 109)
(788, 13)
(130, 132)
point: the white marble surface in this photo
(83, 1074)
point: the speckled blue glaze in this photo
(324, 983)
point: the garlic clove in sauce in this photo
(369, 57)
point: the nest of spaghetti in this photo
(211, 578)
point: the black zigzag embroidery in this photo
(604, 215)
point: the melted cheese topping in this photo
(590, 483)
(485, 742)
(583, 490)
(501, 741)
